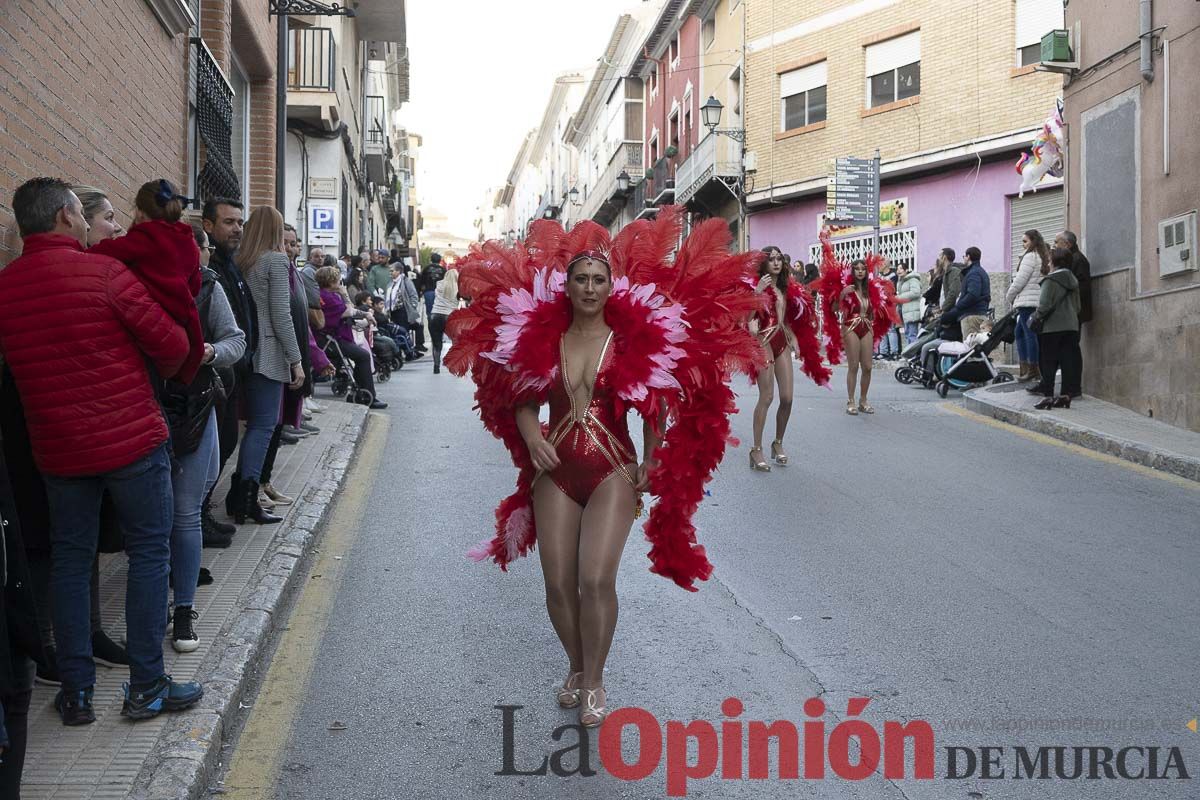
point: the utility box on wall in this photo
(1177, 245)
(1056, 46)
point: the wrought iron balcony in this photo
(312, 60)
(605, 200)
(664, 182)
(715, 157)
(375, 144)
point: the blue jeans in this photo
(429, 303)
(143, 498)
(1027, 340)
(195, 474)
(263, 400)
(911, 329)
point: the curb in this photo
(188, 750)
(1127, 449)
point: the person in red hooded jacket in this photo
(95, 426)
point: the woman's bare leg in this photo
(602, 534)
(766, 395)
(852, 357)
(866, 359)
(558, 519)
(784, 377)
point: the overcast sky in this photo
(481, 73)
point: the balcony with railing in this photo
(715, 157)
(375, 140)
(606, 200)
(312, 76)
(663, 178)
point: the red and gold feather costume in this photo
(837, 275)
(677, 339)
(798, 328)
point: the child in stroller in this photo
(384, 350)
(965, 365)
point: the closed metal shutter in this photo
(1045, 212)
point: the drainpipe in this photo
(1147, 41)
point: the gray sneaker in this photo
(299, 433)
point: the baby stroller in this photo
(962, 367)
(913, 371)
(343, 383)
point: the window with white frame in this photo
(894, 69)
(802, 96)
(1036, 18)
(674, 52)
(653, 80)
(708, 32)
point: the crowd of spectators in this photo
(202, 340)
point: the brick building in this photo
(114, 93)
(949, 96)
(1133, 168)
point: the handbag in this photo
(1036, 323)
(187, 409)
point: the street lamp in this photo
(710, 112)
(573, 196)
(623, 181)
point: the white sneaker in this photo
(314, 406)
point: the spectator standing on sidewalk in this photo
(20, 641)
(379, 276)
(428, 281)
(222, 219)
(1022, 295)
(1081, 268)
(908, 297)
(277, 358)
(291, 426)
(889, 347)
(191, 413)
(1057, 316)
(445, 301)
(87, 442)
(974, 296)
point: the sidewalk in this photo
(1096, 425)
(171, 755)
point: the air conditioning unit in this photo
(1177, 245)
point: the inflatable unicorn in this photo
(1046, 156)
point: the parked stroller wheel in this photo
(362, 397)
(906, 375)
(943, 388)
(383, 373)
(1003, 377)
(340, 385)
(350, 397)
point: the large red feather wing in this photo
(802, 320)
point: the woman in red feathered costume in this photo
(786, 322)
(597, 328)
(865, 310)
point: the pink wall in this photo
(956, 208)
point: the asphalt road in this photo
(1006, 589)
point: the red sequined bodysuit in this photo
(853, 316)
(771, 331)
(592, 440)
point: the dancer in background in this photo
(859, 311)
(785, 322)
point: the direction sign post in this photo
(852, 192)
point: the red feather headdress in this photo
(677, 325)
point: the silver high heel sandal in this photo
(777, 453)
(568, 693)
(593, 712)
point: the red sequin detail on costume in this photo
(592, 442)
(853, 317)
(770, 330)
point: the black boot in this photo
(212, 523)
(212, 536)
(250, 509)
(437, 360)
(233, 500)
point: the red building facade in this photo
(670, 71)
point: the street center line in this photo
(254, 771)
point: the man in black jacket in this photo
(1081, 268)
(428, 280)
(223, 224)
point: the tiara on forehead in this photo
(594, 255)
